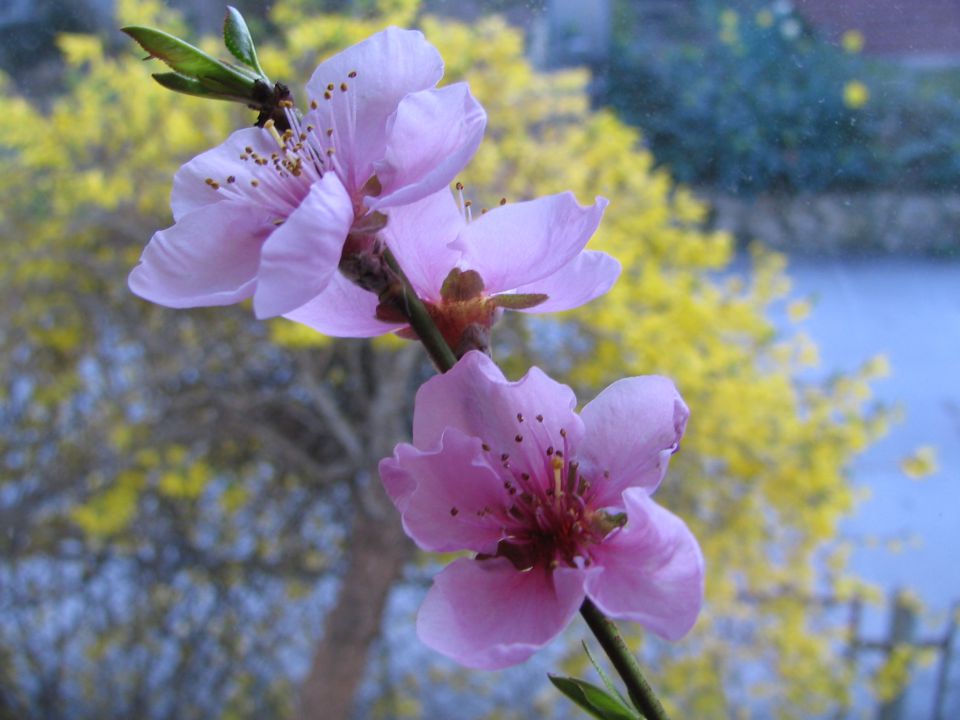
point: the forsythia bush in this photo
(761, 477)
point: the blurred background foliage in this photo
(754, 100)
(191, 522)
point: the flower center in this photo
(547, 516)
(281, 178)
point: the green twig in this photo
(420, 320)
(623, 661)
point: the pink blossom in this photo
(526, 256)
(265, 215)
(555, 505)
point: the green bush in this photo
(754, 101)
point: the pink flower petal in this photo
(342, 309)
(632, 429)
(475, 398)
(191, 190)
(432, 136)
(386, 67)
(446, 511)
(589, 275)
(209, 257)
(486, 615)
(651, 572)
(419, 235)
(301, 257)
(519, 243)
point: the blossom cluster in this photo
(329, 218)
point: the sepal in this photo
(519, 301)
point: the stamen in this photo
(271, 127)
(572, 476)
(557, 477)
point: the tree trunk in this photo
(378, 551)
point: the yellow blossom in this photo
(852, 41)
(855, 94)
(922, 463)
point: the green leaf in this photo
(594, 700)
(518, 301)
(603, 676)
(191, 62)
(189, 86)
(237, 38)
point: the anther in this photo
(519, 417)
(459, 185)
(504, 457)
(454, 512)
(503, 201)
(485, 447)
(231, 179)
(468, 203)
(255, 182)
(563, 433)
(313, 105)
(343, 87)
(330, 86)
(539, 418)
(327, 95)
(518, 438)
(550, 450)
(329, 132)
(352, 74)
